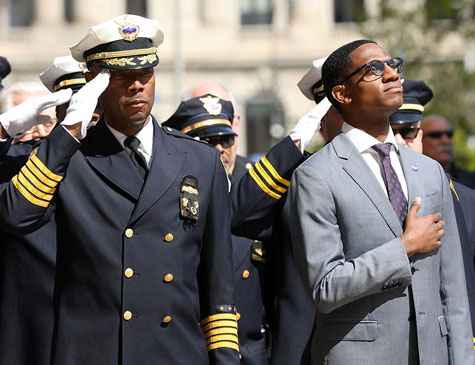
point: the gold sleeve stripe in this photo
(230, 338)
(33, 190)
(453, 189)
(222, 331)
(27, 194)
(39, 175)
(269, 179)
(274, 173)
(215, 317)
(264, 188)
(42, 167)
(215, 324)
(34, 180)
(221, 344)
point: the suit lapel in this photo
(167, 161)
(105, 154)
(412, 175)
(358, 170)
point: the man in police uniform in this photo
(144, 250)
(28, 262)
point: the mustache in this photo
(444, 148)
(135, 97)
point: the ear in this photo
(341, 94)
(88, 76)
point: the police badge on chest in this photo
(189, 202)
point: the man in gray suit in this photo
(388, 283)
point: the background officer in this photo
(28, 262)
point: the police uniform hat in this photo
(127, 42)
(203, 116)
(64, 73)
(415, 95)
(311, 84)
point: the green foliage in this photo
(421, 32)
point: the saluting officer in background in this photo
(27, 263)
(144, 271)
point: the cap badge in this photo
(212, 105)
(83, 67)
(128, 31)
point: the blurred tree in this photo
(437, 40)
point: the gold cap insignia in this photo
(83, 67)
(128, 31)
(212, 105)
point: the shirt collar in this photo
(363, 141)
(145, 136)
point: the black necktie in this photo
(136, 156)
(393, 186)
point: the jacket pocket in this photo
(366, 331)
(443, 326)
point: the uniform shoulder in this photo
(177, 134)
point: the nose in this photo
(390, 74)
(220, 148)
(39, 131)
(136, 86)
(445, 139)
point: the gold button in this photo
(248, 165)
(127, 315)
(166, 319)
(238, 316)
(129, 232)
(245, 274)
(168, 278)
(169, 237)
(128, 272)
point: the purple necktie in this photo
(393, 186)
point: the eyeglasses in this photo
(377, 67)
(225, 141)
(407, 132)
(439, 134)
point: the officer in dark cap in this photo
(406, 125)
(144, 271)
(406, 122)
(5, 70)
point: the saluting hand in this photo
(83, 103)
(422, 234)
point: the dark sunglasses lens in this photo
(224, 141)
(449, 134)
(409, 133)
(376, 67)
(439, 134)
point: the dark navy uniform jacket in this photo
(27, 268)
(248, 267)
(136, 283)
(260, 212)
(464, 204)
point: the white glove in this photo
(309, 124)
(27, 114)
(84, 102)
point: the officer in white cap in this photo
(144, 271)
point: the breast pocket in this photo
(364, 331)
(431, 201)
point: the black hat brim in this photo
(402, 118)
(219, 130)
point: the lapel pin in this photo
(415, 168)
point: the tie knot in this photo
(382, 148)
(132, 142)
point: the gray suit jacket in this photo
(374, 304)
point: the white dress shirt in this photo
(363, 143)
(145, 136)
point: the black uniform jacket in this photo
(464, 205)
(260, 211)
(27, 267)
(139, 280)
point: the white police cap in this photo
(65, 72)
(125, 42)
(311, 83)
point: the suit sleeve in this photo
(453, 289)
(256, 194)
(215, 276)
(26, 201)
(331, 280)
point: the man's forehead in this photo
(368, 52)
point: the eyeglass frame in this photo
(368, 65)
